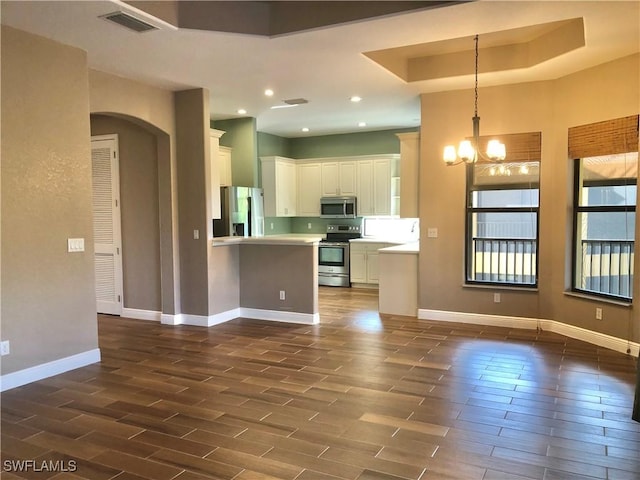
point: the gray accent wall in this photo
(267, 269)
(48, 300)
(349, 144)
(240, 135)
(224, 279)
(194, 182)
(139, 207)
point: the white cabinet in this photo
(338, 178)
(214, 169)
(280, 186)
(309, 189)
(364, 262)
(224, 166)
(374, 190)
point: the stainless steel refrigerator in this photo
(242, 210)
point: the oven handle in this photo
(333, 244)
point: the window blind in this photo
(520, 147)
(615, 136)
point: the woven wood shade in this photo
(520, 147)
(604, 138)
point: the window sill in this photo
(510, 288)
(597, 298)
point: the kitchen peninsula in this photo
(269, 278)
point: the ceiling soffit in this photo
(274, 18)
(498, 51)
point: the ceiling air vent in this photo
(129, 21)
(296, 101)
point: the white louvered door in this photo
(106, 223)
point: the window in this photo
(502, 216)
(604, 206)
(604, 224)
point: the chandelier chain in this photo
(476, 85)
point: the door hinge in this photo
(119, 299)
(116, 202)
(117, 250)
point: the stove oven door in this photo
(333, 264)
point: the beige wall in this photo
(601, 93)
(48, 296)
(153, 109)
(138, 161)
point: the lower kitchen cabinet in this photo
(364, 262)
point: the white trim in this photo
(170, 319)
(280, 316)
(139, 314)
(595, 338)
(257, 313)
(49, 369)
(224, 316)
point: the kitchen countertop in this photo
(285, 239)
(395, 241)
(405, 248)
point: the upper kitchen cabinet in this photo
(309, 189)
(214, 167)
(224, 163)
(280, 185)
(339, 178)
(377, 185)
(409, 173)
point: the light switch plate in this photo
(75, 245)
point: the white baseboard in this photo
(139, 314)
(49, 369)
(257, 313)
(589, 336)
(281, 316)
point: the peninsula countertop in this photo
(283, 239)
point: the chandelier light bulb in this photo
(496, 150)
(449, 154)
(466, 151)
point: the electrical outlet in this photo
(5, 348)
(598, 313)
(496, 298)
(432, 232)
(282, 295)
(271, 225)
(196, 234)
(309, 225)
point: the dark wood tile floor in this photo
(358, 397)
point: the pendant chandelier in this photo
(468, 149)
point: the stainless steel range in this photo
(333, 255)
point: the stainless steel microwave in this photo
(338, 207)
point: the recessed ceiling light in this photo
(242, 111)
(268, 92)
(355, 99)
(305, 129)
(362, 124)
